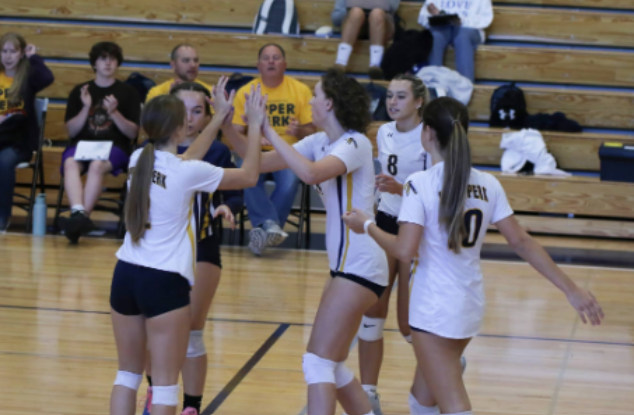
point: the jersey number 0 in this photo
(472, 223)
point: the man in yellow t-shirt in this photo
(185, 64)
(290, 115)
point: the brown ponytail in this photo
(161, 118)
(450, 120)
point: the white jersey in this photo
(447, 296)
(169, 243)
(400, 154)
(348, 252)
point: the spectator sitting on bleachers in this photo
(464, 33)
(185, 64)
(22, 75)
(290, 115)
(357, 23)
(104, 109)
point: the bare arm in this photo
(76, 124)
(127, 127)
(306, 130)
(222, 104)
(247, 175)
(532, 252)
(236, 134)
(310, 172)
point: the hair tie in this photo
(151, 141)
(456, 122)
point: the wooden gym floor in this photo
(533, 357)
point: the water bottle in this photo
(39, 215)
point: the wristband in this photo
(366, 224)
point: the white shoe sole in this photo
(257, 241)
(275, 238)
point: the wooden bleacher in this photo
(608, 205)
(585, 67)
(605, 109)
(518, 23)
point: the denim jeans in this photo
(278, 206)
(10, 157)
(464, 40)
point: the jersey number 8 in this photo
(472, 223)
(391, 164)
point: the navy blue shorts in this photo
(372, 286)
(138, 290)
(387, 223)
(208, 250)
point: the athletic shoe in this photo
(148, 401)
(76, 225)
(375, 73)
(189, 411)
(274, 234)
(375, 402)
(257, 241)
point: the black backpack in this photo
(412, 47)
(237, 81)
(141, 83)
(277, 16)
(508, 107)
(377, 95)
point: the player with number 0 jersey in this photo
(444, 217)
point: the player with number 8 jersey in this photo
(400, 154)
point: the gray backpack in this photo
(277, 17)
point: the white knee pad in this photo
(196, 346)
(343, 375)
(165, 395)
(371, 329)
(318, 370)
(128, 379)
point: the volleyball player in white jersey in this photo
(338, 161)
(206, 208)
(454, 204)
(150, 291)
(400, 153)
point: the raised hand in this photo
(86, 99)
(355, 219)
(255, 108)
(221, 101)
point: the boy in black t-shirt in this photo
(104, 109)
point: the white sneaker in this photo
(257, 241)
(274, 234)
